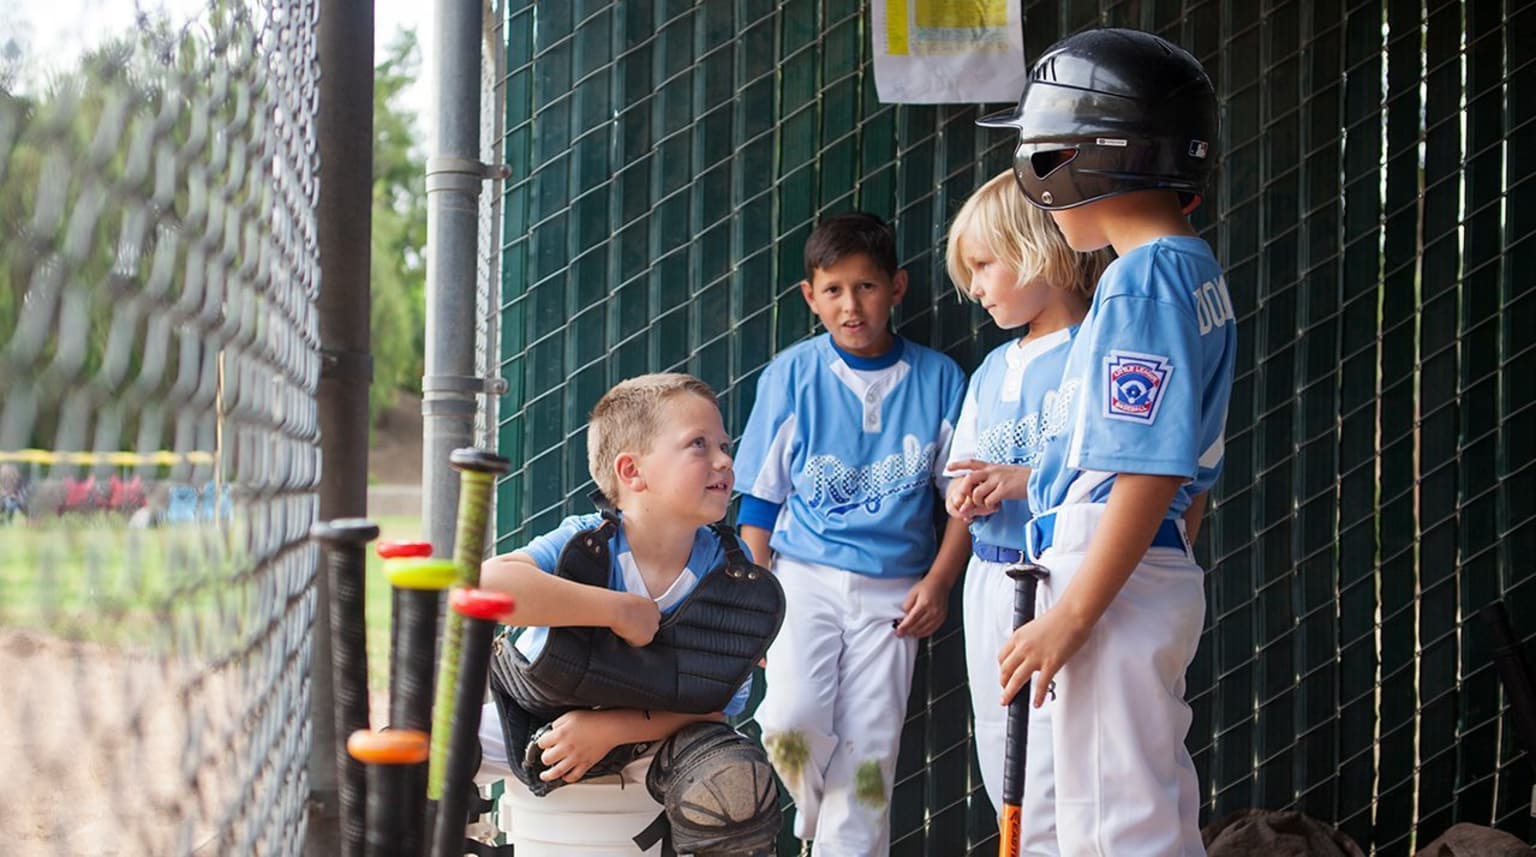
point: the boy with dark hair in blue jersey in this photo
(1116, 129)
(838, 467)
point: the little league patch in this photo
(1134, 385)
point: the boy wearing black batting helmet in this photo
(1117, 133)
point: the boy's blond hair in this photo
(1022, 237)
(627, 419)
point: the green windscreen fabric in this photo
(1373, 211)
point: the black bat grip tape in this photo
(479, 610)
(344, 540)
(1025, 587)
(412, 702)
(391, 757)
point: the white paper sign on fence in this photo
(948, 51)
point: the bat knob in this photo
(344, 531)
(480, 603)
(392, 549)
(1028, 570)
(388, 747)
(420, 573)
(479, 461)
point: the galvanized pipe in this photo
(450, 389)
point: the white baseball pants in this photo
(987, 598)
(838, 679)
(1123, 780)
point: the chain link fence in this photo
(1373, 211)
(158, 435)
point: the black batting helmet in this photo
(1110, 111)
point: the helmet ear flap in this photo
(1043, 175)
(1044, 162)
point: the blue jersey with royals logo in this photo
(1016, 399)
(624, 576)
(1153, 360)
(853, 448)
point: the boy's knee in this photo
(717, 790)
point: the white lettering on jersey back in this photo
(1213, 305)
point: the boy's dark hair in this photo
(837, 238)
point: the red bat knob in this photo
(480, 603)
(392, 549)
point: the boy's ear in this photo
(807, 293)
(627, 468)
(898, 286)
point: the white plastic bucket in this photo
(597, 818)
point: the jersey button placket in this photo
(872, 411)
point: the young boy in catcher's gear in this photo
(1008, 256)
(1116, 135)
(845, 445)
(622, 669)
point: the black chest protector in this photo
(702, 652)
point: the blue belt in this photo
(1044, 529)
(997, 553)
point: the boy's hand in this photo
(576, 741)
(957, 500)
(1039, 648)
(926, 605)
(988, 485)
(635, 618)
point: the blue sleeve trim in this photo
(757, 512)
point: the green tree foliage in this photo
(69, 139)
(64, 270)
(399, 228)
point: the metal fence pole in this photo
(450, 389)
(345, 130)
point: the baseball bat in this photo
(1026, 582)
(389, 757)
(480, 610)
(478, 469)
(343, 540)
(387, 550)
(418, 584)
(1518, 680)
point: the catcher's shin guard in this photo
(717, 793)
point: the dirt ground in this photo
(394, 453)
(119, 754)
(108, 753)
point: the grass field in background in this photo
(92, 578)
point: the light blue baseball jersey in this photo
(1153, 360)
(853, 448)
(624, 576)
(1015, 400)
